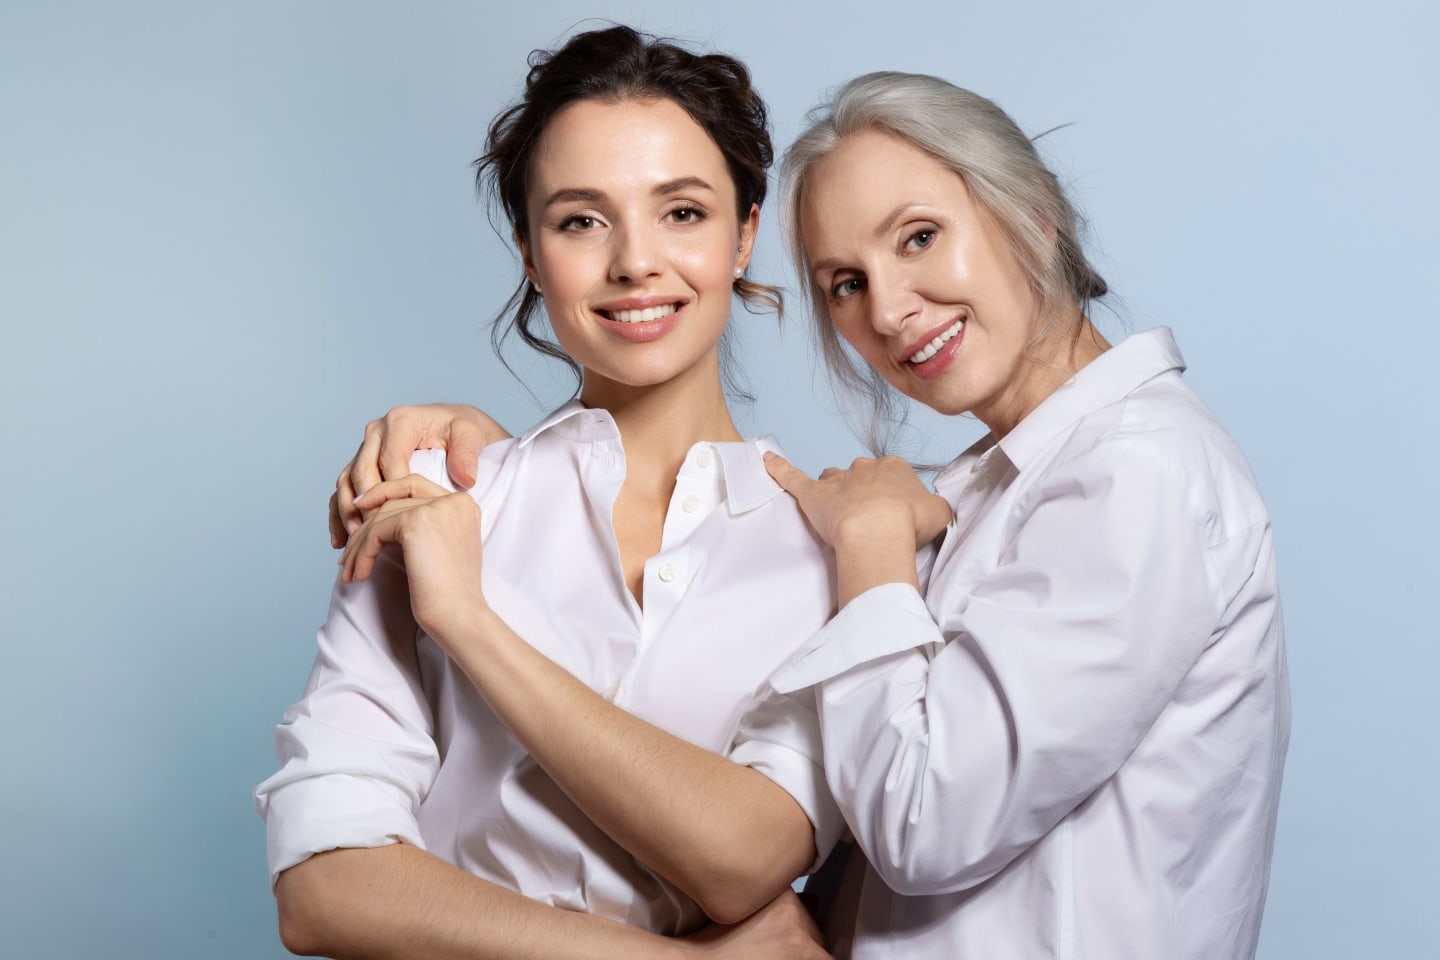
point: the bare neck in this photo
(659, 423)
(1055, 361)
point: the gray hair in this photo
(1004, 173)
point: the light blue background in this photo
(230, 233)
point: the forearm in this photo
(871, 551)
(725, 834)
(398, 902)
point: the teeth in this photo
(933, 347)
(642, 316)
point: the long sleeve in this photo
(357, 753)
(779, 736)
(956, 735)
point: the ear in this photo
(530, 272)
(748, 228)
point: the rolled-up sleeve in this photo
(357, 753)
(779, 737)
(957, 737)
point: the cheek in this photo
(860, 336)
(708, 266)
(565, 274)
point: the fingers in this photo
(791, 479)
(342, 501)
(408, 487)
(338, 533)
(364, 467)
(402, 432)
(359, 557)
(463, 459)
(471, 431)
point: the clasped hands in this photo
(439, 533)
(874, 514)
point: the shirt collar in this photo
(745, 483)
(1114, 374)
(575, 422)
(748, 484)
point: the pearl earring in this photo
(738, 272)
(537, 288)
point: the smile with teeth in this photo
(641, 316)
(933, 347)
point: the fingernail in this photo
(769, 455)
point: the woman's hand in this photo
(460, 430)
(875, 515)
(439, 533)
(782, 929)
(873, 495)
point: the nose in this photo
(636, 256)
(891, 302)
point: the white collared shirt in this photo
(1071, 747)
(391, 741)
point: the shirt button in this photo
(667, 573)
(703, 457)
(690, 504)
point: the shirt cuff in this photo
(883, 620)
(332, 812)
(780, 738)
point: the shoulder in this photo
(497, 461)
(1159, 441)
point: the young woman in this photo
(1062, 733)
(627, 562)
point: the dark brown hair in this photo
(619, 63)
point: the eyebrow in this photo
(573, 195)
(681, 183)
(591, 195)
(884, 227)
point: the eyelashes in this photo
(682, 215)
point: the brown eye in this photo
(687, 215)
(578, 223)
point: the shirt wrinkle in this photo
(1035, 753)
(728, 597)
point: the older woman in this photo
(1060, 733)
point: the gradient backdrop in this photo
(232, 232)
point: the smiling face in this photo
(633, 240)
(919, 280)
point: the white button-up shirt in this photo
(391, 741)
(1071, 747)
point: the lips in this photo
(645, 315)
(641, 319)
(927, 348)
(929, 357)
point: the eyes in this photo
(920, 239)
(846, 288)
(684, 214)
(578, 224)
(917, 240)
